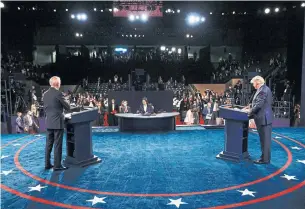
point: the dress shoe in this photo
(48, 167)
(260, 161)
(60, 168)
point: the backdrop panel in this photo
(161, 100)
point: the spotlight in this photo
(126, 35)
(122, 35)
(202, 19)
(77, 34)
(143, 36)
(33, 8)
(83, 16)
(131, 17)
(137, 17)
(110, 10)
(18, 8)
(197, 19)
(162, 48)
(130, 35)
(115, 9)
(303, 5)
(94, 9)
(173, 49)
(267, 11)
(187, 35)
(144, 17)
(67, 10)
(1, 5)
(233, 12)
(179, 51)
(178, 10)
(245, 13)
(211, 13)
(191, 19)
(54, 10)
(102, 10)
(191, 36)
(72, 16)
(81, 35)
(276, 9)
(222, 13)
(135, 35)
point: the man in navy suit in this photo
(146, 108)
(54, 104)
(261, 111)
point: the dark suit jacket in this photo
(206, 111)
(262, 106)
(116, 108)
(149, 109)
(54, 105)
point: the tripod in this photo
(20, 105)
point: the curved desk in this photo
(138, 122)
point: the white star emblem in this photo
(4, 156)
(16, 145)
(289, 177)
(37, 188)
(6, 172)
(177, 202)
(297, 148)
(277, 137)
(246, 192)
(301, 161)
(97, 200)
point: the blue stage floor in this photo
(162, 170)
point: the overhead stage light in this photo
(267, 11)
(131, 17)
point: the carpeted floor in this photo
(162, 170)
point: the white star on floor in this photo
(277, 137)
(97, 200)
(37, 188)
(4, 156)
(247, 192)
(297, 148)
(289, 177)
(301, 161)
(177, 202)
(16, 145)
(6, 172)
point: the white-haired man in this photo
(261, 111)
(54, 104)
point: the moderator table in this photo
(129, 122)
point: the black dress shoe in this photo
(60, 168)
(48, 167)
(260, 161)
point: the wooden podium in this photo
(79, 138)
(236, 133)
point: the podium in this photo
(236, 133)
(79, 138)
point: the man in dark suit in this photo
(54, 104)
(112, 110)
(145, 108)
(261, 111)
